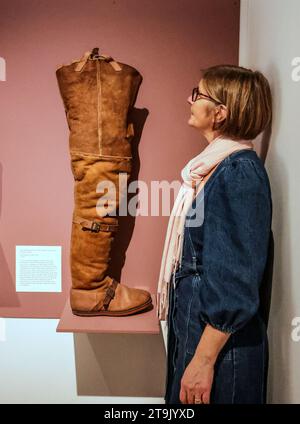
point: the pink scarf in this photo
(192, 175)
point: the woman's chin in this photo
(191, 121)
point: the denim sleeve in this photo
(236, 233)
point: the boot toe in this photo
(128, 298)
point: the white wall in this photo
(37, 365)
(269, 42)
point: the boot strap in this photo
(110, 293)
(94, 226)
(80, 65)
(82, 62)
(111, 61)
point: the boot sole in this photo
(114, 313)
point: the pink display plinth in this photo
(146, 322)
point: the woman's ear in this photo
(220, 114)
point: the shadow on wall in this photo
(265, 143)
(279, 384)
(279, 328)
(262, 145)
(126, 223)
(120, 365)
(8, 296)
(262, 148)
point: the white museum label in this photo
(38, 268)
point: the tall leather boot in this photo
(98, 94)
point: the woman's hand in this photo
(198, 376)
(196, 381)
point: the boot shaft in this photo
(98, 94)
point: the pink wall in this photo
(168, 42)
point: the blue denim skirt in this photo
(240, 372)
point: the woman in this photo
(211, 273)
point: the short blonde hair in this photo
(247, 96)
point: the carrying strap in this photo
(80, 65)
(94, 226)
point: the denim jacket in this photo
(229, 250)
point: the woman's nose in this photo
(190, 101)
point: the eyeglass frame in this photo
(198, 93)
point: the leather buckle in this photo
(95, 227)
